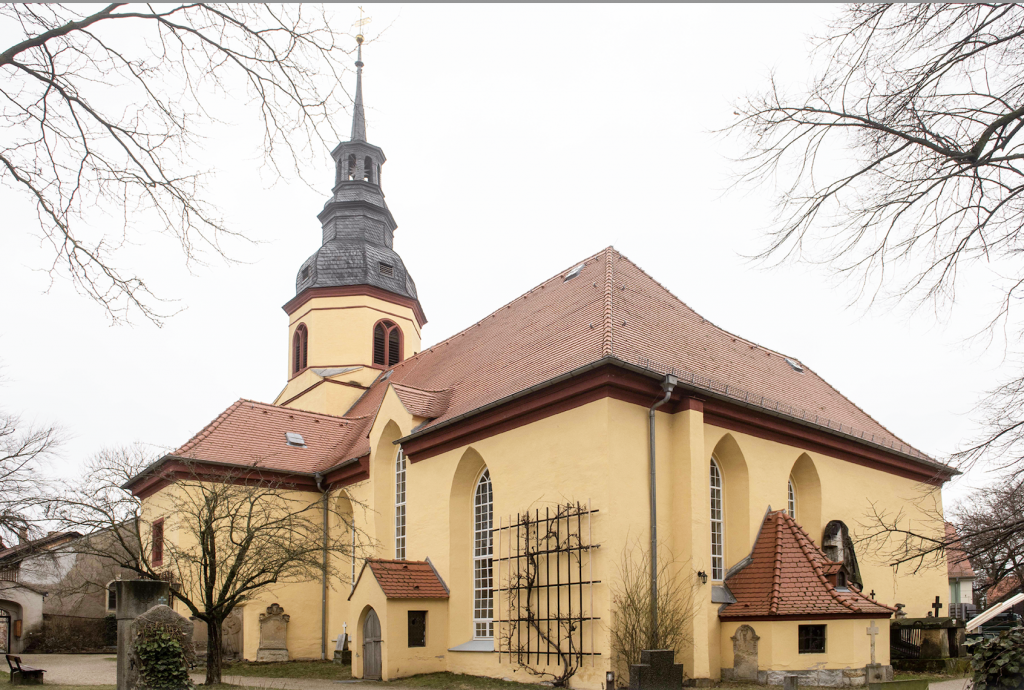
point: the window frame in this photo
(388, 327)
(791, 498)
(483, 563)
(300, 349)
(806, 635)
(409, 641)
(111, 590)
(401, 487)
(157, 528)
(717, 559)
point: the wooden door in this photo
(371, 647)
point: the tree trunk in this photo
(213, 651)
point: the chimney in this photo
(22, 535)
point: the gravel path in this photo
(74, 669)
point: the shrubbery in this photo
(998, 662)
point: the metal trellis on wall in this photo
(545, 577)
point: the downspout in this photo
(667, 385)
(323, 594)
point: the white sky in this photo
(520, 139)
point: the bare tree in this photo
(631, 608)
(900, 167)
(101, 115)
(235, 533)
(23, 448)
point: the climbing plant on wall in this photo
(164, 654)
(998, 662)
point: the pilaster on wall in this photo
(690, 518)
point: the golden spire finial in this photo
(363, 21)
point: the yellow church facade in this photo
(448, 461)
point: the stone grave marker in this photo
(657, 670)
(134, 598)
(158, 615)
(273, 634)
(744, 653)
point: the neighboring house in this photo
(58, 580)
(1002, 591)
(961, 579)
(761, 466)
(22, 599)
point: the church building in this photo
(508, 482)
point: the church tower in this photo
(355, 309)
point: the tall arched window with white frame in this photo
(791, 500)
(400, 506)
(483, 595)
(717, 524)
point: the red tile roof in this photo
(406, 579)
(1005, 587)
(253, 434)
(610, 309)
(957, 563)
(788, 576)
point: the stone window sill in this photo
(474, 646)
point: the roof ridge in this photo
(768, 349)
(609, 277)
(777, 570)
(293, 410)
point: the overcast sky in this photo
(520, 139)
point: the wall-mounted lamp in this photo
(609, 679)
(703, 577)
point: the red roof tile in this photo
(788, 576)
(957, 562)
(1006, 587)
(253, 434)
(611, 308)
(407, 579)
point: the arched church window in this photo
(300, 348)
(791, 500)
(387, 343)
(838, 547)
(368, 169)
(483, 596)
(400, 506)
(350, 174)
(717, 524)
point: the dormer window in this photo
(387, 344)
(386, 269)
(300, 348)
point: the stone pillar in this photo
(134, 598)
(657, 670)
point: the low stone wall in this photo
(825, 678)
(70, 634)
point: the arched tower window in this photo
(387, 343)
(717, 524)
(300, 348)
(368, 169)
(483, 596)
(350, 174)
(400, 506)
(791, 499)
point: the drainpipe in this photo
(323, 594)
(667, 385)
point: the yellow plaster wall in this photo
(847, 644)
(341, 329)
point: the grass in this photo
(455, 681)
(931, 677)
(318, 670)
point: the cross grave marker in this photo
(872, 631)
(937, 606)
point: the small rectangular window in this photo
(386, 269)
(417, 628)
(112, 597)
(811, 639)
(158, 542)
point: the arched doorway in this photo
(371, 647)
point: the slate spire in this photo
(358, 116)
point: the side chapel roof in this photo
(604, 309)
(788, 575)
(405, 579)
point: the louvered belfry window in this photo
(300, 348)
(387, 344)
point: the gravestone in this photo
(342, 654)
(273, 635)
(134, 598)
(657, 670)
(744, 653)
(158, 615)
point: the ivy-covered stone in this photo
(998, 662)
(162, 650)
